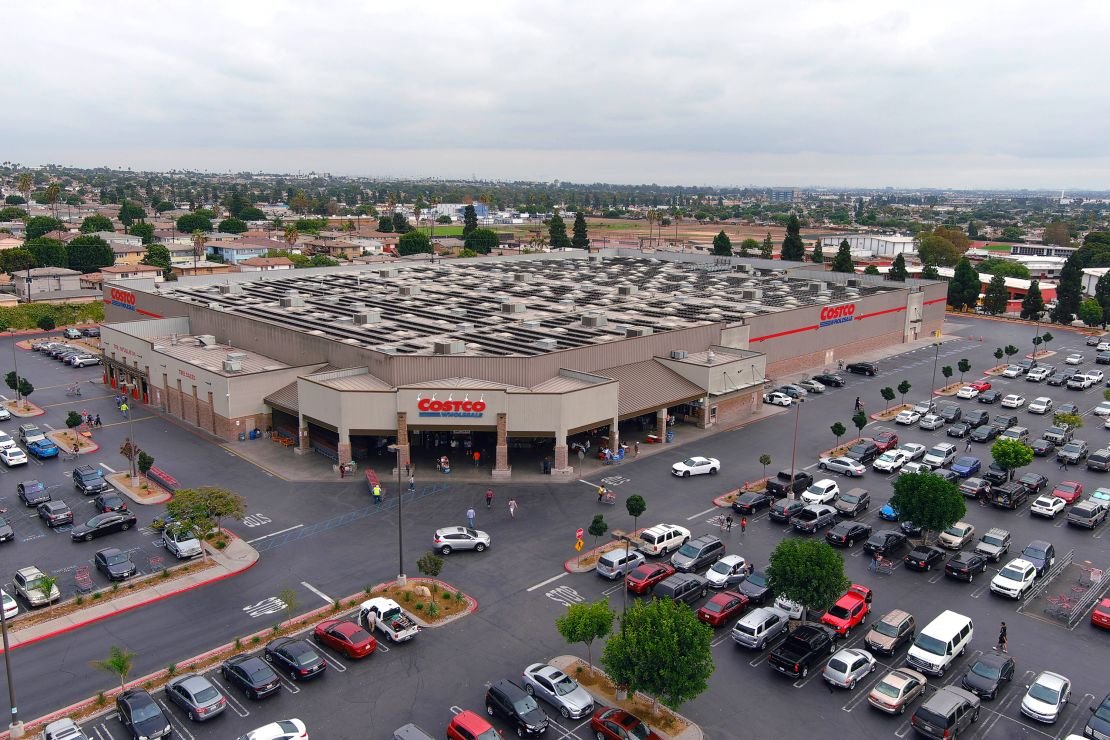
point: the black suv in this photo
(89, 481)
(863, 452)
(508, 700)
(697, 554)
(950, 413)
(141, 715)
(685, 587)
(862, 368)
(947, 713)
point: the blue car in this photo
(42, 448)
(888, 513)
(966, 466)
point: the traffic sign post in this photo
(578, 533)
(578, 545)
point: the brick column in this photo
(562, 468)
(343, 448)
(302, 436)
(404, 452)
(501, 468)
(661, 425)
(614, 436)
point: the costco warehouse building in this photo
(498, 353)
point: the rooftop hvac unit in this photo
(291, 300)
(679, 354)
(512, 308)
(596, 259)
(233, 366)
(751, 294)
(410, 290)
(627, 290)
(594, 320)
(387, 272)
(530, 324)
(367, 316)
(743, 268)
(547, 345)
(814, 287)
(465, 326)
(228, 288)
(853, 282)
(637, 331)
(523, 277)
(206, 340)
(453, 347)
(236, 355)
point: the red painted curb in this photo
(160, 597)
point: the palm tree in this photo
(487, 201)
(198, 247)
(45, 586)
(435, 214)
(676, 216)
(291, 236)
(651, 221)
(25, 184)
(118, 663)
(53, 190)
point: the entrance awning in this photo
(284, 399)
(648, 384)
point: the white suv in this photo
(1015, 580)
(662, 539)
(822, 492)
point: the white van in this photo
(940, 643)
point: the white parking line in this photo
(110, 470)
(177, 725)
(701, 513)
(318, 592)
(236, 707)
(334, 662)
(273, 534)
(541, 584)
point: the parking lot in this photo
(447, 669)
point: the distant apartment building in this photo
(785, 195)
(264, 264)
(1042, 250)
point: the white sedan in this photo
(1013, 401)
(908, 417)
(1074, 359)
(1013, 371)
(696, 466)
(1103, 409)
(1096, 376)
(1046, 698)
(823, 491)
(930, 422)
(777, 398)
(890, 461)
(1040, 405)
(285, 729)
(13, 456)
(913, 450)
(967, 392)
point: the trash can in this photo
(242, 436)
(670, 436)
(255, 434)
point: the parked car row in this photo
(71, 355)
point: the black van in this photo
(1004, 421)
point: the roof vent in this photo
(206, 340)
(410, 290)
(523, 277)
(512, 308)
(530, 324)
(465, 326)
(596, 259)
(547, 345)
(594, 320)
(236, 355)
(367, 316)
(710, 357)
(233, 366)
(638, 331)
(229, 288)
(454, 347)
(679, 354)
(853, 282)
(751, 294)
(627, 290)
(291, 300)
(387, 272)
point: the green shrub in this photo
(79, 600)
(171, 670)
(238, 644)
(101, 700)
(419, 607)
(256, 640)
(433, 609)
(97, 596)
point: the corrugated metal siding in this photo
(285, 398)
(648, 384)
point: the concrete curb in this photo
(88, 448)
(23, 413)
(568, 664)
(227, 565)
(125, 489)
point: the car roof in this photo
(192, 683)
(1019, 563)
(1052, 680)
(895, 616)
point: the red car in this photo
(885, 440)
(617, 724)
(1100, 616)
(849, 611)
(1068, 490)
(980, 385)
(641, 580)
(468, 725)
(346, 637)
(722, 607)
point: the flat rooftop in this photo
(518, 307)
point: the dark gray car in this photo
(197, 696)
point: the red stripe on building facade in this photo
(782, 334)
(880, 313)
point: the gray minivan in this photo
(617, 563)
(947, 713)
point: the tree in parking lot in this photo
(927, 500)
(205, 506)
(946, 371)
(963, 366)
(1090, 312)
(118, 663)
(430, 566)
(25, 389)
(998, 353)
(74, 419)
(131, 452)
(904, 388)
(1009, 454)
(859, 419)
(1010, 351)
(598, 527)
(636, 506)
(838, 431)
(145, 462)
(808, 572)
(642, 655)
(288, 596)
(13, 382)
(585, 623)
(45, 586)
(1071, 421)
(1046, 338)
(888, 396)
(764, 460)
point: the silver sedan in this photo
(558, 689)
(197, 696)
(847, 667)
(844, 465)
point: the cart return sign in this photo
(842, 314)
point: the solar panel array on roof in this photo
(505, 308)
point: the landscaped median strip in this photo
(586, 561)
(237, 557)
(341, 608)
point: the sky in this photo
(853, 93)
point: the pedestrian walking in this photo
(412, 483)
(97, 421)
(636, 447)
(1063, 464)
(477, 458)
(512, 508)
(600, 493)
(377, 491)
(1003, 639)
(859, 405)
(967, 445)
(743, 524)
(119, 401)
(983, 498)
(123, 409)
(581, 454)
(489, 498)
(470, 517)
(728, 523)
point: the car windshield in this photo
(1071, 447)
(1066, 487)
(565, 685)
(1013, 574)
(715, 607)
(490, 734)
(757, 579)
(849, 498)
(721, 567)
(987, 670)
(991, 539)
(931, 645)
(524, 705)
(307, 659)
(1103, 711)
(262, 673)
(839, 612)
(955, 531)
(1034, 553)
(938, 451)
(1040, 692)
(888, 457)
(206, 695)
(115, 558)
(885, 628)
(143, 712)
(688, 551)
(691, 462)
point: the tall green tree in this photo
(47, 252)
(1010, 454)
(1032, 305)
(143, 230)
(793, 249)
(818, 255)
(1005, 268)
(158, 256)
(1102, 295)
(748, 247)
(14, 260)
(400, 223)
(206, 505)
(1090, 312)
(598, 527)
(39, 225)
(936, 250)
(641, 655)
(903, 389)
(1069, 290)
(89, 253)
(842, 262)
(963, 289)
(997, 296)
(130, 212)
(888, 395)
(766, 250)
(871, 270)
(963, 366)
(930, 272)
(119, 663)
(470, 219)
(385, 225)
(191, 222)
(481, 241)
(808, 572)
(557, 233)
(929, 501)
(585, 623)
(859, 421)
(232, 226)
(838, 430)
(581, 237)
(722, 245)
(12, 214)
(414, 242)
(898, 270)
(96, 222)
(1057, 233)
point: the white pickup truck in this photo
(389, 618)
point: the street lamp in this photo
(933, 388)
(794, 447)
(133, 457)
(401, 579)
(15, 729)
(15, 360)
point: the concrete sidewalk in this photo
(237, 557)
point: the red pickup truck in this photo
(850, 610)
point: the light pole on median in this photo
(15, 729)
(132, 468)
(933, 388)
(794, 448)
(15, 361)
(401, 579)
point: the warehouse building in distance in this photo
(494, 354)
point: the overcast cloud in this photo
(949, 94)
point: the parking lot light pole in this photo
(401, 579)
(936, 358)
(133, 457)
(15, 729)
(15, 361)
(794, 448)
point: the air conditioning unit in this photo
(530, 325)
(627, 290)
(206, 340)
(229, 288)
(638, 331)
(679, 354)
(523, 277)
(236, 355)
(387, 272)
(453, 347)
(410, 290)
(594, 320)
(233, 366)
(513, 308)
(853, 282)
(291, 300)
(465, 326)
(547, 345)
(751, 294)
(367, 316)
